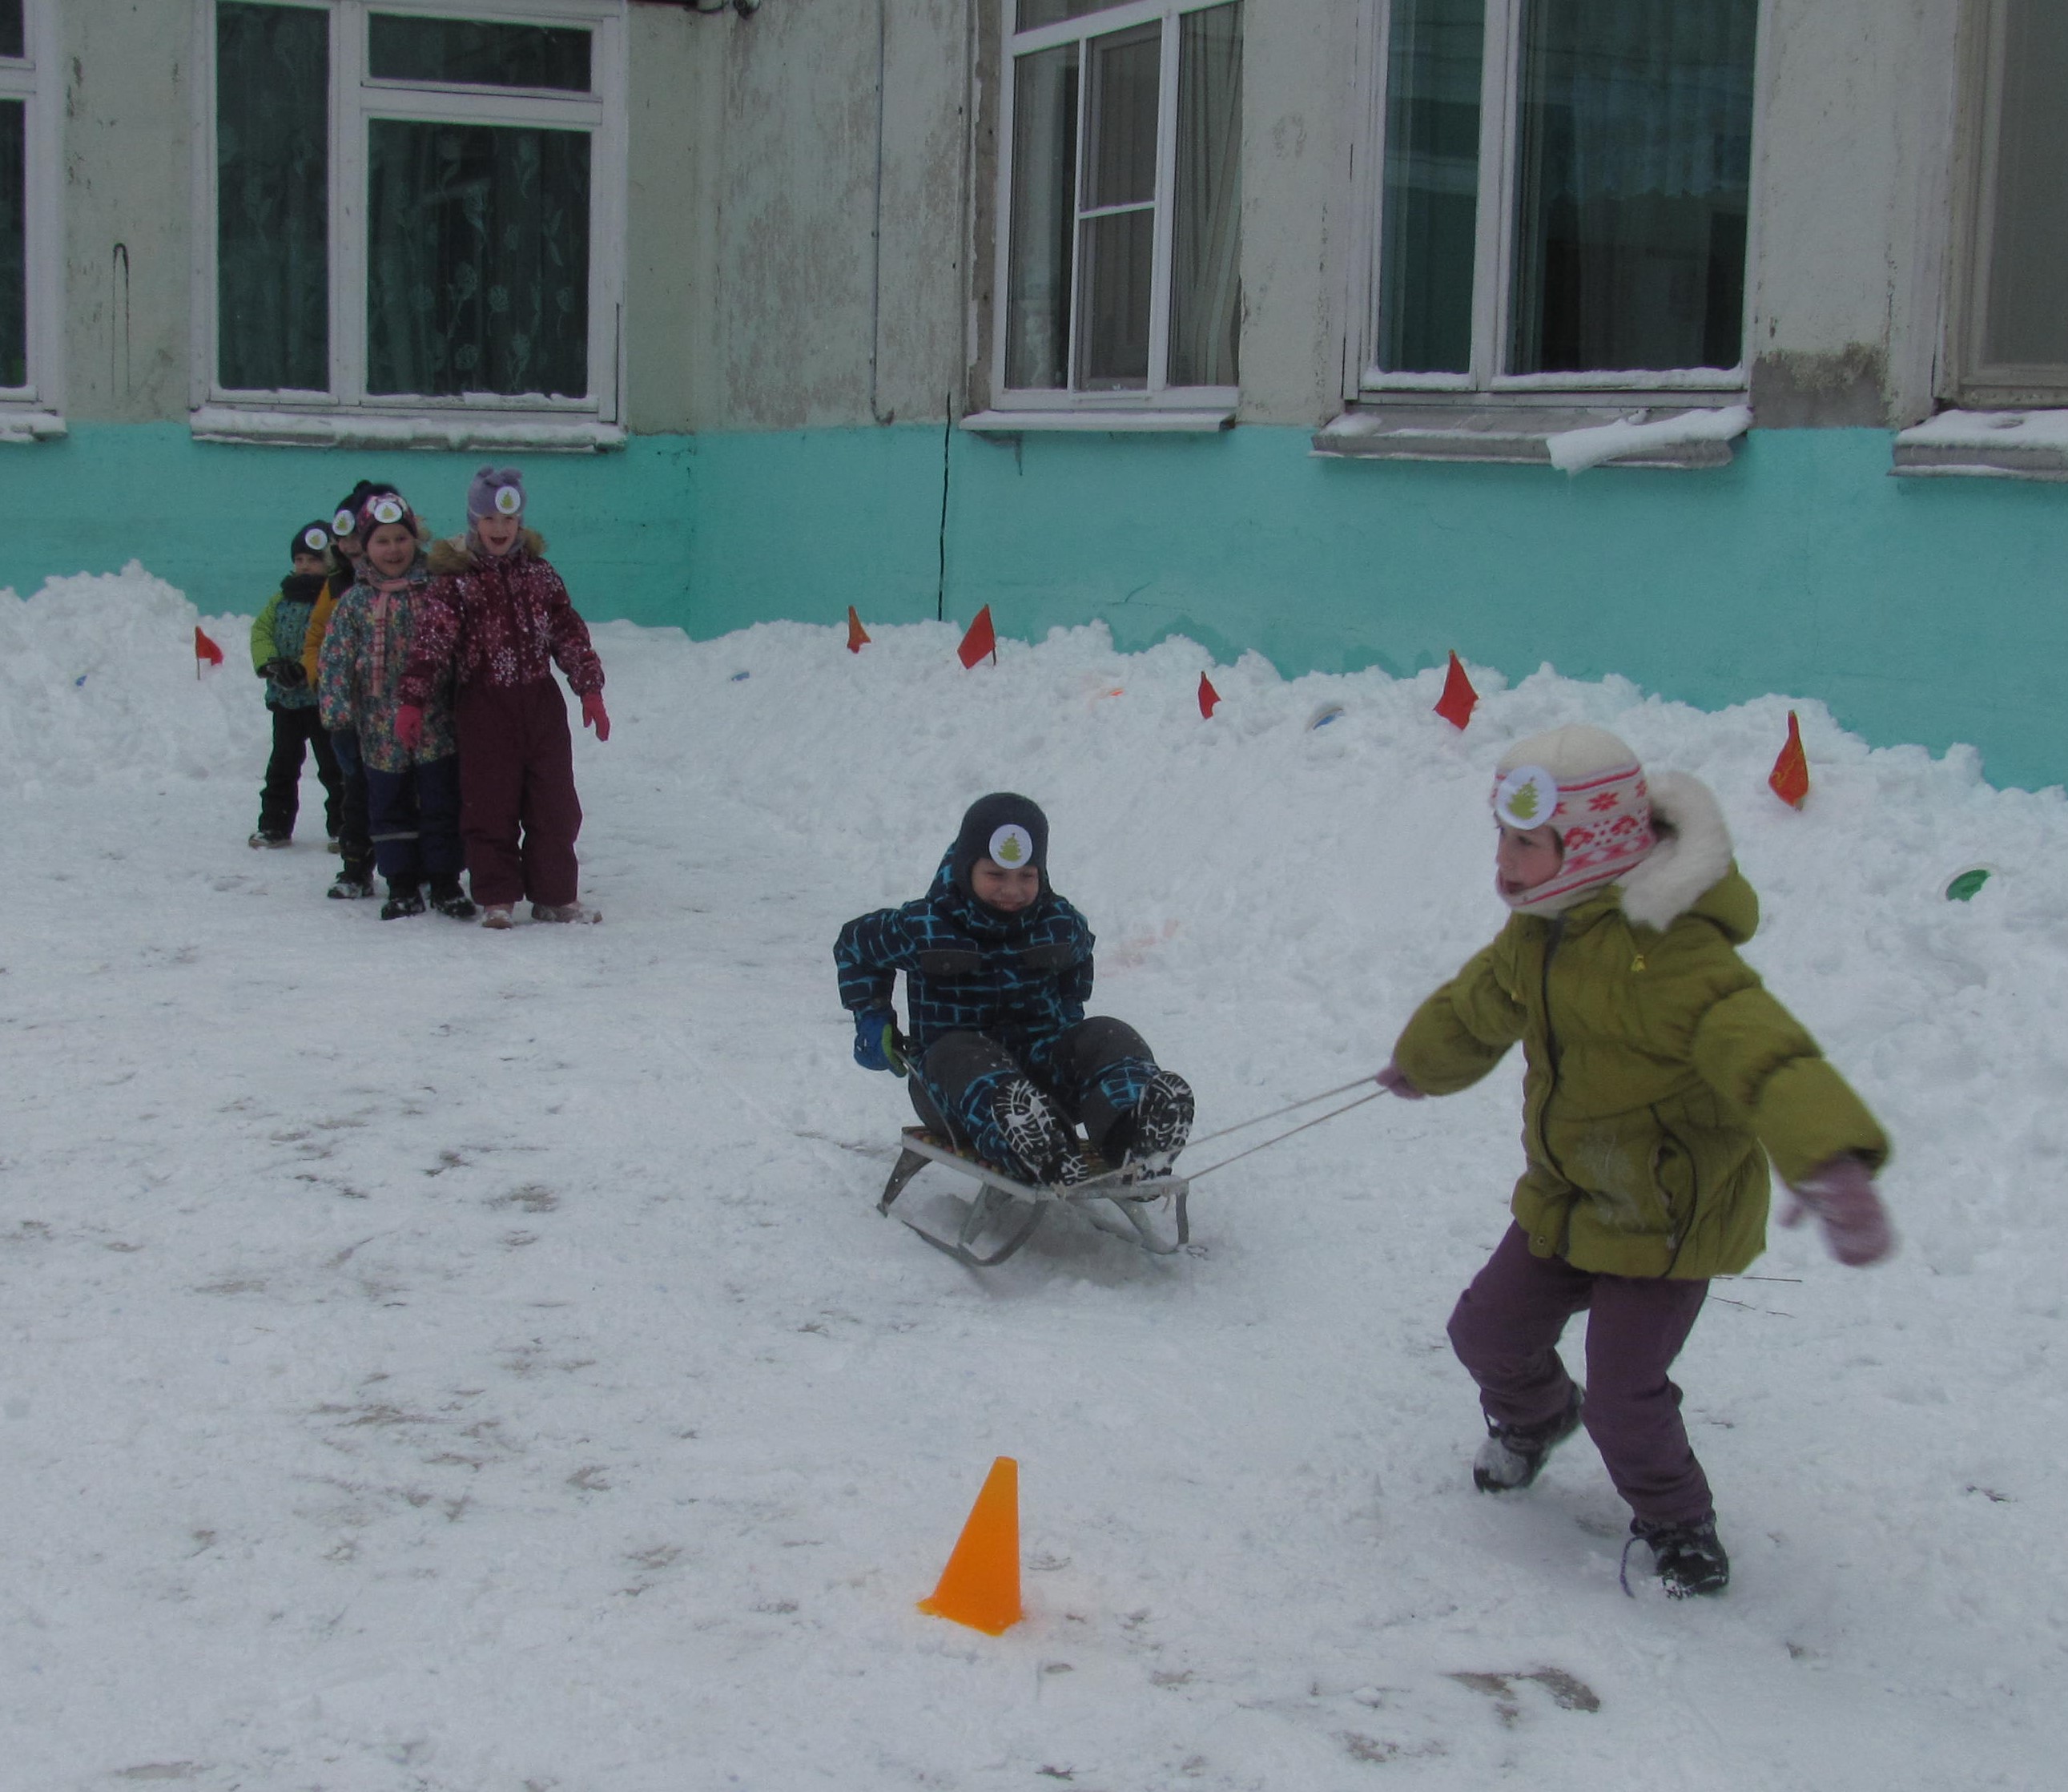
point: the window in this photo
(1118, 259)
(29, 350)
(1563, 197)
(2011, 338)
(414, 213)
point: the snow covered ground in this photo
(448, 1360)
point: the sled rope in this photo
(1305, 1101)
(1302, 1127)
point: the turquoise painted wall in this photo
(1922, 611)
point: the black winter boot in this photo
(1162, 1121)
(1687, 1558)
(1513, 1455)
(447, 898)
(1043, 1148)
(403, 898)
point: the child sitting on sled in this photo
(1000, 1056)
(1660, 1077)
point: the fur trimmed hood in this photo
(452, 554)
(1693, 855)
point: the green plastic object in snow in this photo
(1962, 888)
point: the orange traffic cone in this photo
(980, 1586)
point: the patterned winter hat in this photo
(1587, 787)
(1009, 830)
(346, 521)
(384, 505)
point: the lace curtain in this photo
(477, 259)
(1206, 273)
(272, 138)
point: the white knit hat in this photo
(1587, 787)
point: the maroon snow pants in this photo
(519, 814)
(1505, 1330)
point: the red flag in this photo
(1458, 700)
(1208, 696)
(982, 639)
(205, 650)
(857, 637)
(1789, 779)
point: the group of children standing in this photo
(421, 675)
(1661, 1082)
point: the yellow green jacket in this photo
(1660, 1075)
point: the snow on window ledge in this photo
(1985, 445)
(463, 431)
(1119, 422)
(1569, 437)
(30, 426)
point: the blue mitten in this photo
(876, 1040)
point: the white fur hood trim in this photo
(1692, 855)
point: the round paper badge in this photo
(1526, 798)
(509, 500)
(345, 523)
(1011, 847)
(387, 510)
(314, 539)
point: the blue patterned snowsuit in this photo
(1019, 982)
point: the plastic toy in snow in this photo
(1007, 1211)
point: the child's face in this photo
(391, 548)
(1008, 889)
(350, 546)
(497, 533)
(1523, 860)
(306, 563)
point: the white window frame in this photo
(36, 411)
(1157, 405)
(346, 412)
(1494, 248)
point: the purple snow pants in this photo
(1505, 1330)
(518, 812)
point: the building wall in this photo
(800, 333)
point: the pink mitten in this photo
(1841, 1194)
(594, 715)
(1395, 1081)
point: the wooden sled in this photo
(1007, 1212)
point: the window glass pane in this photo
(2025, 323)
(1044, 153)
(469, 52)
(1431, 213)
(11, 37)
(477, 274)
(1205, 246)
(1635, 157)
(1120, 130)
(14, 247)
(272, 140)
(1050, 12)
(1120, 250)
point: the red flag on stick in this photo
(857, 637)
(1458, 700)
(204, 649)
(982, 639)
(1208, 696)
(1789, 779)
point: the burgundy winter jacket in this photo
(503, 622)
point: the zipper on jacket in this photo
(1554, 932)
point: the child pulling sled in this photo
(1661, 1078)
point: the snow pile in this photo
(449, 1360)
(1575, 450)
(98, 676)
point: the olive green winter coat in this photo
(1660, 1073)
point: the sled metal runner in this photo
(1111, 1198)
